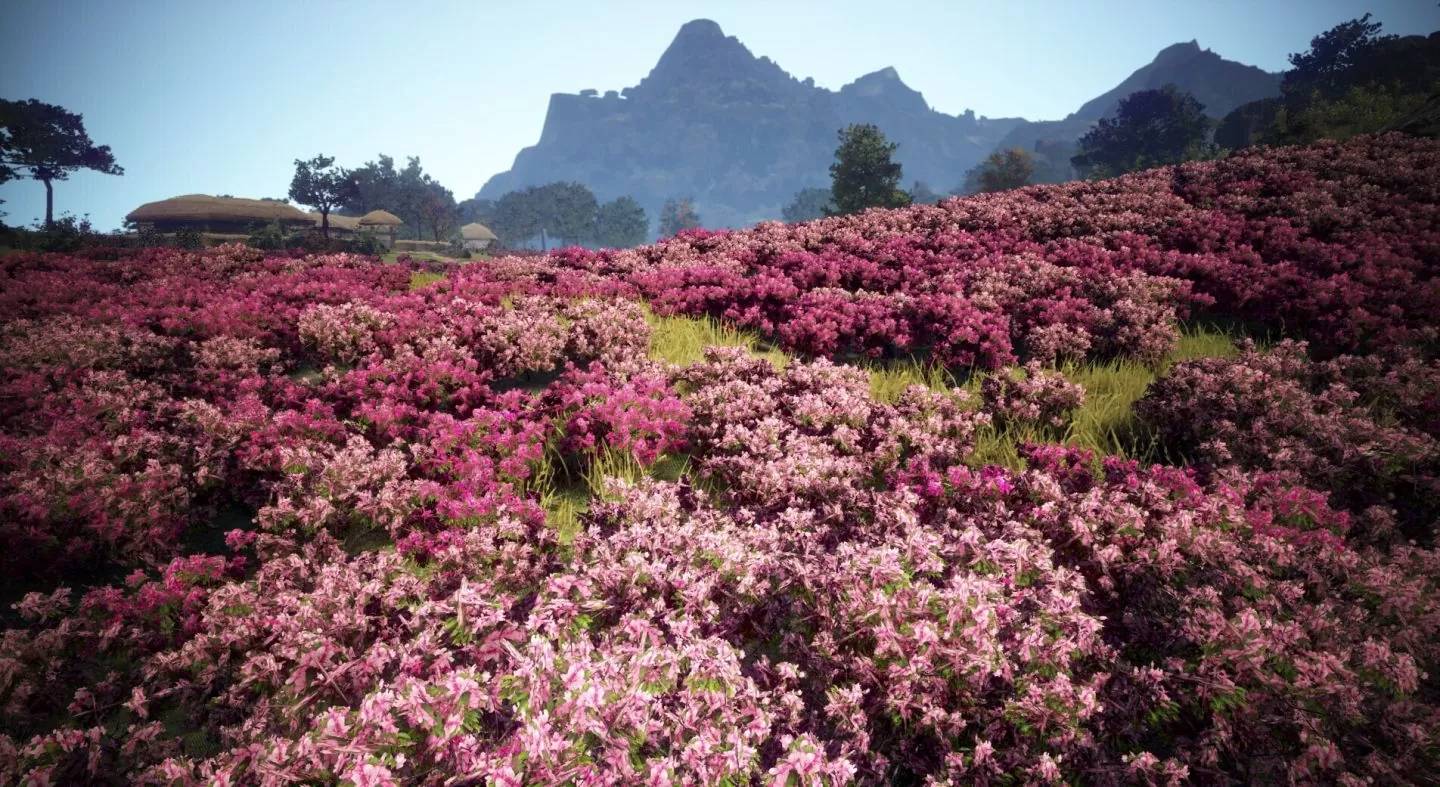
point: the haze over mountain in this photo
(741, 135)
(736, 132)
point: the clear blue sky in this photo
(221, 97)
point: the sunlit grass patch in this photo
(682, 340)
(889, 379)
(1106, 423)
(422, 279)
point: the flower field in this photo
(1129, 481)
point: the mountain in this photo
(1220, 85)
(740, 135)
(736, 132)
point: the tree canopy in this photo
(1151, 128)
(558, 210)
(678, 214)
(1352, 80)
(808, 205)
(321, 185)
(1001, 171)
(46, 142)
(864, 174)
(621, 223)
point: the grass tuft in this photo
(682, 340)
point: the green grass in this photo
(889, 379)
(682, 340)
(422, 279)
(1106, 423)
(422, 256)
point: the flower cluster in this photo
(285, 519)
(1034, 395)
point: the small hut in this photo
(340, 226)
(383, 224)
(477, 236)
(217, 218)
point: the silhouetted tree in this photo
(678, 214)
(438, 210)
(321, 185)
(808, 204)
(1150, 129)
(564, 210)
(1001, 171)
(45, 142)
(621, 223)
(864, 175)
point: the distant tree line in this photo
(560, 213)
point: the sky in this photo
(222, 97)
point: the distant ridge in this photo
(741, 135)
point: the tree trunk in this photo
(542, 238)
(325, 224)
(49, 203)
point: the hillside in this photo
(1220, 85)
(981, 492)
(736, 132)
(741, 135)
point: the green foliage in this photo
(561, 210)
(1360, 110)
(864, 174)
(808, 205)
(321, 185)
(621, 223)
(1352, 80)
(46, 142)
(1001, 171)
(269, 237)
(678, 214)
(1150, 129)
(1334, 58)
(426, 207)
(437, 210)
(1247, 124)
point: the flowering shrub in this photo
(1280, 411)
(829, 589)
(1038, 397)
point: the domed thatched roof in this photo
(476, 231)
(380, 218)
(338, 222)
(203, 207)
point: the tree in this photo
(568, 210)
(438, 210)
(47, 143)
(477, 210)
(621, 223)
(1329, 66)
(376, 184)
(1001, 171)
(678, 214)
(864, 175)
(808, 204)
(516, 218)
(321, 185)
(565, 210)
(1150, 129)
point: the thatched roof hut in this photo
(342, 224)
(216, 214)
(477, 236)
(380, 218)
(476, 231)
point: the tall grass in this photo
(682, 340)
